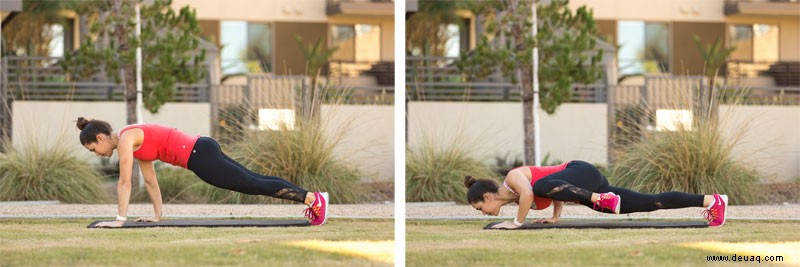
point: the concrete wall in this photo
(367, 142)
(52, 122)
(576, 131)
(771, 141)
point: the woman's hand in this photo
(148, 219)
(548, 220)
(505, 225)
(110, 224)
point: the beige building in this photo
(260, 36)
(656, 36)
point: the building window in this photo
(754, 43)
(29, 36)
(356, 43)
(452, 47)
(58, 41)
(246, 47)
(644, 47)
(457, 38)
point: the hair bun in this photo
(81, 123)
(469, 180)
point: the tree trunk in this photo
(129, 73)
(526, 81)
(527, 113)
(128, 78)
(128, 70)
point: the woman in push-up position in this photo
(201, 155)
(577, 181)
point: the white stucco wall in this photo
(368, 140)
(367, 144)
(576, 131)
(770, 141)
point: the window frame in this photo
(355, 43)
(670, 43)
(752, 26)
(272, 40)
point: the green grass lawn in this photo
(464, 243)
(57, 242)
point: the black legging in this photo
(580, 179)
(214, 167)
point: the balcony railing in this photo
(367, 82)
(762, 7)
(438, 79)
(763, 74)
(360, 7)
(41, 78)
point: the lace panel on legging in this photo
(580, 192)
(291, 194)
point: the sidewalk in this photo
(444, 210)
(49, 209)
(424, 211)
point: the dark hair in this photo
(477, 187)
(91, 128)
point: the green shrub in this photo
(505, 163)
(33, 172)
(698, 161)
(177, 185)
(435, 171)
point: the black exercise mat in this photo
(605, 225)
(210, 223)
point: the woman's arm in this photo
(125, 151)
(557, 207)
(151, 183)
(520, 184)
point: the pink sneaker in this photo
(609, 201)
(318, 212)
(716, 213)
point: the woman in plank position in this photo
(577, 181)
(201, 155)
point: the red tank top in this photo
(163, 143)
(540, 203)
